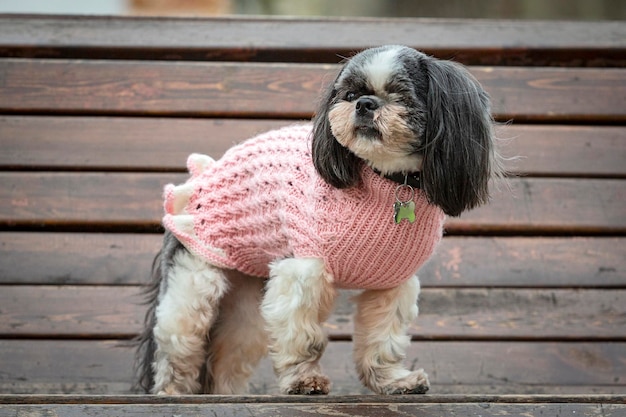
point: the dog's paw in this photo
(313, 385)
(414, 383)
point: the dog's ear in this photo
(458, 139)
(336, 164)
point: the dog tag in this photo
(404, 210)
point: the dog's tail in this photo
(144, 342)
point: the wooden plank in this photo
(128, 201)
(106, 259)
(142, 144)
(98, 367)
(64, 199)
(119, 143)
(488, 42)
(159, 88)
(560, 206)
(445, 314)
(380, 409)
(149, 399)
(76, 258)
(280, 90)
(584, 151)
(109, 312)
(512, 314)
(526, 262)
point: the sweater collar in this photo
(412, 178)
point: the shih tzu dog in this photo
(258, 242)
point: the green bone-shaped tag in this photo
(404, 210)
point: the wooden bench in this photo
(523, 307)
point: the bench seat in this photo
(523, 308)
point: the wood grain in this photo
(280, 90)
(487, 42)
(131, 201)
(533, 205)
(445, 314)
(558, 150)
(527, 262)
(149, 399)
(157, 144)
(119, 143)
(97, 367)
(524, 296)
(378, 409)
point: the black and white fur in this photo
(399, 111)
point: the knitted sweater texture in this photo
(264, 201)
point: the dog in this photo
(258, 242)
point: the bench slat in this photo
(493, 314)
(73, 366)
(280, 90)
(535, 205)
(125, 259)
(148, 399)
(491, 42)
(379, 409)
(142, 144)
(122, 201)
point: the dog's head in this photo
(401, 111)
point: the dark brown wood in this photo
(450, 314)
(125, 259)
(485, 368)
(553, 150)
(305, 409)
(485, 42)
(280, 90)
(142, 144)
(507, 314)
(103, 144)
(505, 308)
(151, 88)
(76, 258)
(537, 206)
(87, 198)
(129, 201)
(149, 399)
(79, 312)
(533, 262)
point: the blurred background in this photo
(496, 9)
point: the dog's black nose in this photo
(365, 105)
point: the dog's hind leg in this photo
(238, 339)
(186, 309)
(299, 297)
(380, 339)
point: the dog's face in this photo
(401, 111)
(378, 109)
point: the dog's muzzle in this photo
(364, 120)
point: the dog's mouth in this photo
(368, 132)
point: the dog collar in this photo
(413, 179)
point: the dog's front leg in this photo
(298, 298)
(380, 339)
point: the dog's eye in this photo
(350, 96)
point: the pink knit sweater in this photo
(263, 201)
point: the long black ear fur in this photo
(337, 165)
(457, 140)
